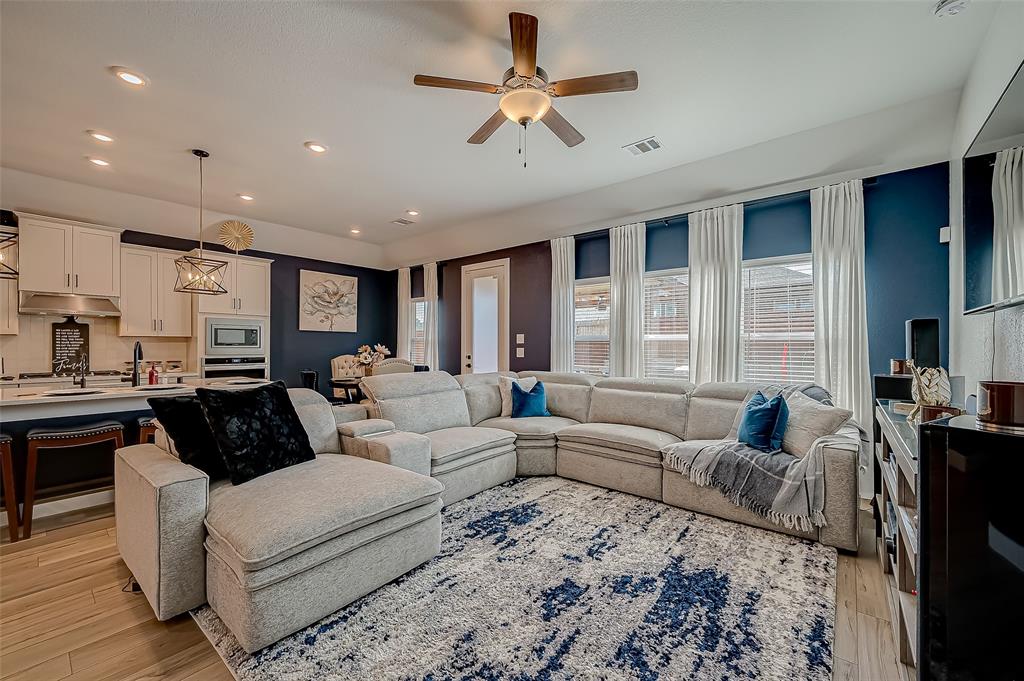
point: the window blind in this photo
(417, 342)
(777, 327)
(666, 325)
(592, 323)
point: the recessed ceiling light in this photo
(101, 136)
(98, 161)
(245, 197)
(412, 212)
(316, 147)
(355, 231)
(133, 78)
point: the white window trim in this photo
(592, 280)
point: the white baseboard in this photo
(76, 503)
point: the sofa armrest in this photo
(842, 496)
(410, 451)
(347, 413)
(366, 428)
(159, 507)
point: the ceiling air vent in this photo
(401, 221)
(643, 146)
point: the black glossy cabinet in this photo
(971, 591)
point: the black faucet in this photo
(136, 358)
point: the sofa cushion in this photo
(637, 439)
(531, 427)
(281, 514)
(476, 457)
(482, 394)
(568, 395)
(418, 402)
(318, 419)
(449, 444)
(715, 409)
(651, 403)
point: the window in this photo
(592, 310)
(418, 332)
(666, 324)
(777, 324)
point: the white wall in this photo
(983, 346)
(21, 191)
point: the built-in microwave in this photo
(235, 337)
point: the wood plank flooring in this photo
(64, 617)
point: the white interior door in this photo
(485, 317)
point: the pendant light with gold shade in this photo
(199, 274)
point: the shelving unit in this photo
(896, 530)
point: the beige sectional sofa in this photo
(607, 432)
(280, 552)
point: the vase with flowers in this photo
(369, 357)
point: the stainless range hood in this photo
(65, 305)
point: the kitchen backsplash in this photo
(29, 350)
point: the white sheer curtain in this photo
(626, 322)
(563, 282)
(404, 313)
(1008, 227)
(430, 345)
(840, 307)
(716, 253)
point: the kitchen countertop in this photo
(30, 403)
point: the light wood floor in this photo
(63, 615)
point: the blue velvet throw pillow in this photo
(532, 403)
(764, 422)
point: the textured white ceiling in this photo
(251, 81)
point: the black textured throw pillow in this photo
(183, 420)
(257, 430)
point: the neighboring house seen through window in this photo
(592, 318)
(418, 332)
(666, 324)
(777, 323)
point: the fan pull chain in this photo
(523, 134)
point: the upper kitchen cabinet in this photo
(8, 306)
(248, 283)
(61, 256)
(149, 304)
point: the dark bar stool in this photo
(147, 429)
(57, 438)
(10, 498)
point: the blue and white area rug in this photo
(547, 578)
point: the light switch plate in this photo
(945, 234)
(520, 338)
(520, 352)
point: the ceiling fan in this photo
(526, 91)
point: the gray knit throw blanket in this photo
(785, 489)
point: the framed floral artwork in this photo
(327, 302)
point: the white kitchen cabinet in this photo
(61, 256)
(252, 287)
(149, 304)
(8, 306)
(248, 283)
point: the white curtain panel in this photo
(563, 282)
(628, 247)
(1008, 227)
(716, 252)
(840, 307)
(404, 313)
(431, 349)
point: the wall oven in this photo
(224, 368)
(235, 337)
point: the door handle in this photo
(76, 281)
(154, 325)
(469, 366)
(239, 303)
(161, 325)
(69, 281)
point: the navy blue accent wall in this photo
(777, 226)
(906, 268)
(416, 284)
(291, 349)
(593, 256)
(668, 244)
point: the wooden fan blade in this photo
(622, 81)
(562, 128)
(524, 43)
(454, 84)
(488, 128)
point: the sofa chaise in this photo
(277, 553)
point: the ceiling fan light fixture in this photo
(524, 105)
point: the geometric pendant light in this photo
(198, 274)
(8, 253)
